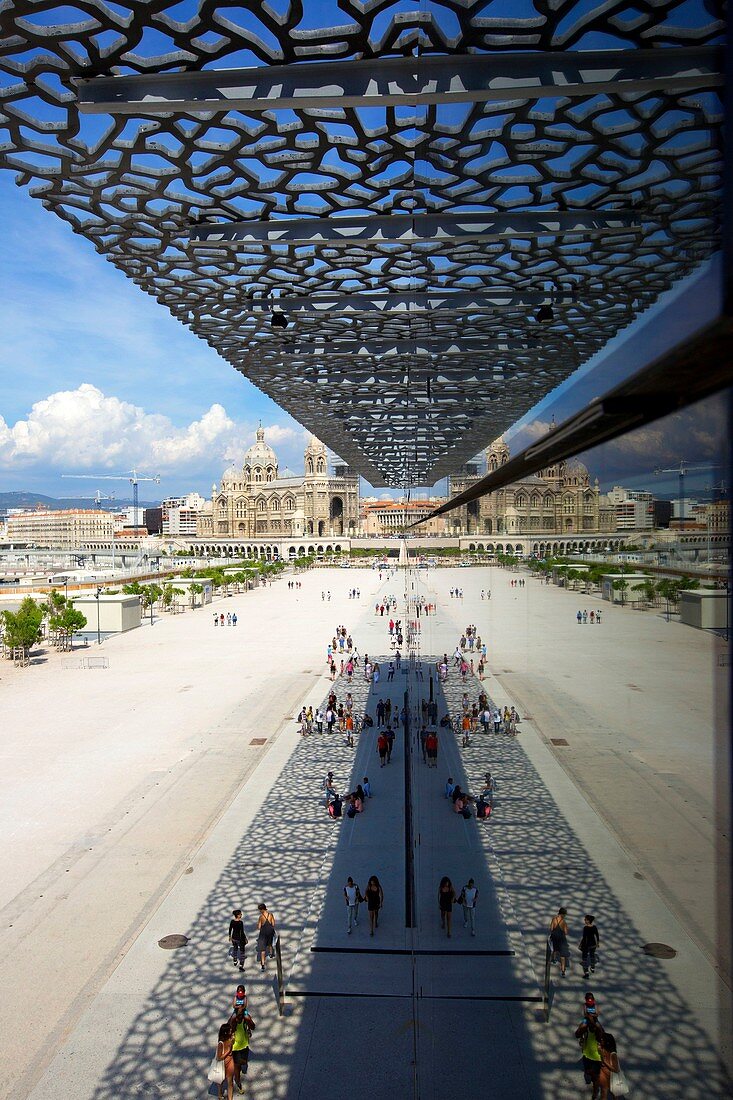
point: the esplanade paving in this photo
(419, 1014)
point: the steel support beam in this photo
(410, 228)
(387, 349)
(398, 81)
(406, 302)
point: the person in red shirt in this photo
(382, 746)
(431, 749)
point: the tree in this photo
(169, 594)
(620, 586)
(195, 590)
(648, 588)
(68, 623)
(22, 628)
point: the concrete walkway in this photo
(411, 1024)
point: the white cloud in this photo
(85, 429)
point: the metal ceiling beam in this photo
(388, 349)
(399, 81)
(406, 301)
(409, 228)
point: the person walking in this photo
(242, 1026)
(589, 1034)
(265, 934)
(221, 1070)
(237, 938)
(468, 899)
(446, 898)
(382, 748)
(352, 895)
(610, 1079)
(558, 940)
(390, 735)
(374, 897)
(431, 749)
(589, 941)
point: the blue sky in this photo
(99, 377)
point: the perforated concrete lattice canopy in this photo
(446, 208)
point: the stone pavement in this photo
(417, 1020)
(407, 1024)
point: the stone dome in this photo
(260, 453)
(229, 476)
(576, 469)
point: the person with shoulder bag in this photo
(611, 1079)
(222, 1069)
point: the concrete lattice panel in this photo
(364, 377)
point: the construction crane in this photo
(133, 477)
(682, 470)
(97, 498)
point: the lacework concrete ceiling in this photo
(446, 208)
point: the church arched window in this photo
(270, 476)
(258, 474)
(275, 504)
(289, 504)
(321, 469)
(520, 500)
(535, 500)
(261, 505)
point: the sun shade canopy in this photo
(404, 223)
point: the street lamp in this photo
(99, 633)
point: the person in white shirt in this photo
(352, 895)
(469, 897)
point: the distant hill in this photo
(26, 499)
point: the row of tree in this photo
(650, 591)
(22, 629)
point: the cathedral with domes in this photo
(560, 499)
(258, 501)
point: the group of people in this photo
(342, 644)
(332, 714)
(520, 583)
(467, 899)
(462, 801)
(230, 619)
(583, 617)
(347, 805)
(295, 584)
(354, 593)
(456, 593)
(373, 897)
(601, 1066)
(486, 715)
(231, 1060)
